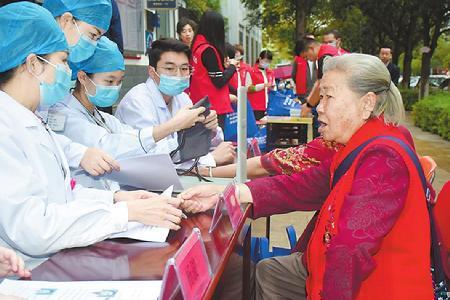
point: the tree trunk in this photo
(408, 51)
(300, 19)
(425, 74)
(396, 51)
(407, 68)
(430, 38)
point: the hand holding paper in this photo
(133, 195)
(151, 219)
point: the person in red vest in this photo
(243, 66)
(334, 38)
(313, 50)
(304, 72)
(372, 237)
(236, 81)
(210, 78)
(258, 80)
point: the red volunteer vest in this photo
(403, 261)
(243, 70)
(327, 50)
(201, 85)
(300, 77)
(342, 51)
(234, 81)
(258, 99)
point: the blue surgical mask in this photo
(334, 43)
(264, 65)
(83, 49)
(173, 85)
(55, 92)
(105, 96)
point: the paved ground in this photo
(426, 144)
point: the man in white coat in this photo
(162, 96)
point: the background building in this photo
(144, 21)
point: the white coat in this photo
(144, 106)
(39, 212)
(74, 152)
(99, 130)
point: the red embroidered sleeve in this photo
(297, 159)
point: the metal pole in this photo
(241, 171)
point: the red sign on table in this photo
(191, 267)
(232, 205)
(253, 148)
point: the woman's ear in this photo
(369, 102)
(34, 65)
(66, 21)
(81, 76)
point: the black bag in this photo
(194, 142)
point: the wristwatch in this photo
(309, 105)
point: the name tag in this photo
(56, 122)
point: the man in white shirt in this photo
(161, 97)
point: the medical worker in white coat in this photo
(83, 22)
(41, 210)
(157, 101)
(98, 84)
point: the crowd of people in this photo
(371, 239)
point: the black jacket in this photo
(394, 71)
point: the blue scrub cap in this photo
(27, 28)
(94, 12)
(106, 58)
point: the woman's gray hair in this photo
(366, 73)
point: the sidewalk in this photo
(426, 144)
(432, 145)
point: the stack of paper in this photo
(81, 290)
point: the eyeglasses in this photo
(185, 70)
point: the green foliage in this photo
(277, 18)
(432, 114)
(409, 96)
(198, 7)
(441, 56)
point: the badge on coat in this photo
(56, 121)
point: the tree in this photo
(410, 38)
(435, 16)
(197, 7)
(276, 18)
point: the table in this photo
(123, 259)
(289, 128)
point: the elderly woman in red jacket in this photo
(372, 237)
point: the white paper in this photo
(139, 231)
(151, 172)
(83, 290)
